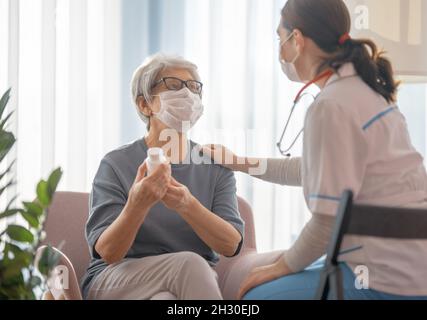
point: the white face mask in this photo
(288, 68)
(179, 110)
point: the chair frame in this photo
(363, 220)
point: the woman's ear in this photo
(144, 107)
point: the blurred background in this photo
(70, 62)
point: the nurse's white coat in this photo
(354, 139)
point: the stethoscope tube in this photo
(285, 153)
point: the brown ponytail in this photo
(325, 22)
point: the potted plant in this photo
(19, 278)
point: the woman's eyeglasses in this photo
(176, 84)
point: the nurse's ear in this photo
(299, 39)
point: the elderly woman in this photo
(162, 232)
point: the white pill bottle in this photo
(155, 157)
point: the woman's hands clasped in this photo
(146, 191)
(178, 198)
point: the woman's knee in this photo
(192, 260)
(194, 265)
(194, 278)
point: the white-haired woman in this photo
(162, 232)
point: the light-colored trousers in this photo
(186, 275)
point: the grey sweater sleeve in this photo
(286, 171)
(312, 242)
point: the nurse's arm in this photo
(310, 246)
(283, 171)
(311, 243)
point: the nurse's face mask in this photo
(288, 68)
(180, 109)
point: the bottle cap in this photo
(155, 154)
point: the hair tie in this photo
(344, 38)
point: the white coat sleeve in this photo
(282, 171)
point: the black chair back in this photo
(362, 220)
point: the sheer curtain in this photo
(61, 59)
(246, 97)
(70, 63)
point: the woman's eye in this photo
(193, 87)
(175, 85)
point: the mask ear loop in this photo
(152, 113)
(285, 41)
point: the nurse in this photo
(355, 138)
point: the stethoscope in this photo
(300, 95)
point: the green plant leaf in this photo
(14, 282)
(7, 140)
(2, 189)
(13, 287)
(33, 208)
(53, 180)
(19, 233)
(13, 248)
(9, 212)
(18, 254)
(43, 194)
(25, 256)
(4, 101)
(21, 260)
(4, 121)
(5, 258)
(35, 281)
(48, 260)
(7, 170)
(13, 270)
(31, 218)
(11, 200)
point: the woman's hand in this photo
(115, 241)
(214, 231)
(223, 156)
(147, 191)
(264, 274)
(177, 198)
